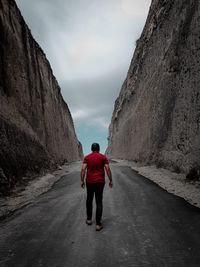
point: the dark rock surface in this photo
(36, 127)
(156, 117)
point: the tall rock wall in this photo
(36, 127)
(156, 117)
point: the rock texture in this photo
(156, 117)
(36, 127)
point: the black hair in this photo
(95, 147)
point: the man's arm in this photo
(83, 172)
(108, 171)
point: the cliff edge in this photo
(156, 117)
(36, 127)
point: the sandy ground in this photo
(172, 182)
(23, 195)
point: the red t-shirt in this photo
(95, 167)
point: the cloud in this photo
(101, 122)
(92, 100)
(83, 38)
(80, 114)
(90, 119)
(89, 45)
(134, 8)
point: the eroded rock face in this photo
(156, 117)
(36, 128)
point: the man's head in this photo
(95, 147)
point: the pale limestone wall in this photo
(156, 117)
(36, 127)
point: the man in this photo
(94, 164)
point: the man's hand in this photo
(110, 184)
(82, 184)
(108, 171)
(83, 171)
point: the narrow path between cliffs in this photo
(143, 226)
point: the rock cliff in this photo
(36, 127)
(156, 117)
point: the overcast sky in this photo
(89, 44)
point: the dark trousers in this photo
(97, 189)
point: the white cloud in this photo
(101, 122)
(85, 38)
(89, 45)
(91, 117)
(79, 114)
(134, 8)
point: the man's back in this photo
(95, 167)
